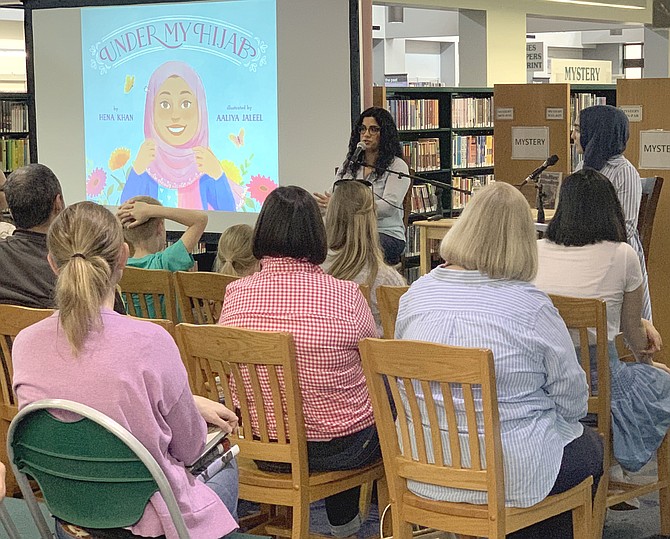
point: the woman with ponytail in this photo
(235, 255)
(354, 251)
(128, 369)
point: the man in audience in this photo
(6, 226)
(35, 198)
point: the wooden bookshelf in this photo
(651, 95)
(529, 104)
(455, 126)
(583, 96)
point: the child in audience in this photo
(482, 297)
(585, 254)
(128, 369)
(354, 251)
(235, 255)
(327, 318)
(143, 220)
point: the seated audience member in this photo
(235, 255)
(143, 220)
(585, 254)
(128, 369)
(354, 252)
(6, 222)
(35, 199)
(327, 318)
(482, 297)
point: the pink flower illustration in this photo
(260, 187)
(96, 182)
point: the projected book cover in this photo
(180, 103)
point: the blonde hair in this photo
(495, 235)
(235, 254)
(141, 234)
(351, 227)
(84, 243)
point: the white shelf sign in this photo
(555, 113)
(655, 150)
(633, 112)
(535, 56)
(530, 143)
(504, 113)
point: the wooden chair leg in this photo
(663, 462)
(401, 529)
(364, 500)
(582, 518)
(301, 518)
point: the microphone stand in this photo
(440, 186)
(540, 201)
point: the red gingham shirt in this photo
(327, 318)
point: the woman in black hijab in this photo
(601, 133)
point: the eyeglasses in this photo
(347, 180)
(374, 129)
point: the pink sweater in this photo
(132, 372)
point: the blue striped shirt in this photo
(542, 391)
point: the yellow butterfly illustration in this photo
(130, 81)
(237, 140)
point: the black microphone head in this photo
(552, 160)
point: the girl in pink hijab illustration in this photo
(175, 163)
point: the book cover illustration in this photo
(180, 103)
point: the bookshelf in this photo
(447, 135)
(651, 95)
(15, 145)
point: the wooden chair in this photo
(410, 364)
(651, 193)
(365, 290)
(200, 295)
(581, 314)
(268, 359)
(12, 320)
(143, 289)
(388, 299)
(167, 325)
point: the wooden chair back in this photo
(167, 325)
(365, 290)
(388, 299)
(461, 449)
(257, 373)
(651, 193)
(416, 372)
(12, 320)
(148, 293)
(200, 295)
(583, 316)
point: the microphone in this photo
(360, 148)
(550, 162)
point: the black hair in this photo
(31, 191)
(290, 225)
(389, 141)
(588, 211)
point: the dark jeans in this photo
(393, 248)
(581, 457)
(347, 453)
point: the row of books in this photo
(13, 117)
(412, 241)
(472, 112)
(471, 151)
(14, 153)
(458, 199)
(197, 250)
(411, 274)
(423, 154)
(579, 102)
(412, 114)
(424, 199)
